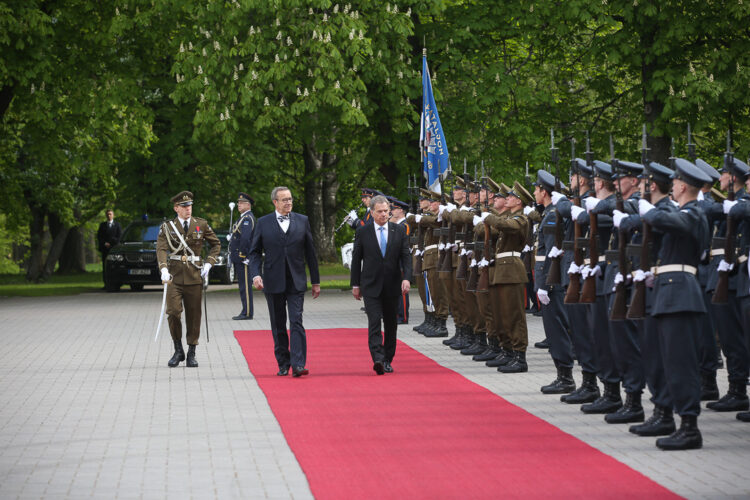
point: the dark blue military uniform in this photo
(239, 250)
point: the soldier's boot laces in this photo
(660, 423)
(586, 393)
(687, 437)
(631, 411)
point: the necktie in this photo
(185, 225)
(282, 218)
(382, 240)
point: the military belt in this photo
(540, 258)
(185, 258)
(429, 247)
(674, 268)
(507, 254)
(717, 251)
(587, 260)
(742, 259)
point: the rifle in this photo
(620, 302)
(721, 293)
(463, 260)
(554, 276)
(483, 285)
(574, 285)
(528, 257)
(445, 259)
(476, 247)
(420, 238)
(637, 308)
(588, 291)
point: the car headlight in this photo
(115, 257)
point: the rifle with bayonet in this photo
(483, 285)
(721, 293)
(463, 260)
(637, 308)
(476, 246)
(620, 302)
(554, 276)
(588, 291)
(528, 256)
(572, 296)
(417, 271)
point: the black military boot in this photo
(191, 362)
(660, 423)
(451, 340)
(743, 416)
(586, 393)
(465, 341)
(687, 437)
(503, 357)
(631, 411)
(490, 352)
(478, 347)
(709, 389)
(440, 329)
(609, 402)
(516, 365)
(423, 324)
(734, 400)
(429, 323)
(179, 354)
(564, 382)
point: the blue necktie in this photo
(382, 240)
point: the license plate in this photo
(139, 272)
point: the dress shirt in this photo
(285, 223)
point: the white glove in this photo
(554, 252)
(556, 197)
(229, 237)
(408, 214)
(440, 209)
(595, 271)
(644, 207)
(619, 278)
(527, 248)
(543, 296)
(165, 276)
(417, 218)
(727, 205)
(591, 203)
(464, 208)
(725, 266)
(574, 269)
(441, 247)
(473, 263)
(205, 270)
(483, 263)
(484, 215)
(450, 207)
(527, 210)
(585, 270)
(618, 216)
(477, 220)
(352, 215)
(246, 262)
(648, 277)
(700, 196)
(576, 212)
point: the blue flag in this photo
(435, 161)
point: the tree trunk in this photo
(36, 239)
(320, 199)
(59, 233)
(653, 106)
(73, 257)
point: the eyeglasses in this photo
(284, 200)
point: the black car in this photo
(223, 270)
(133, 261)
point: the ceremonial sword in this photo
(163, 307)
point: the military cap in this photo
(657, 173)
(689, 173)
(183, 198)
(493, 186)
(741, 169)
(504, 189)
(545, 180)
(426, 194)
(708, 170)
(370, 192)
(579, 167)
(521, 193)
(400, 204)
(460, 184)
(602, 170)
(627, 168)
(245, 197)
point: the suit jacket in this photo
(377, 275)
(199, 232)
(292, 249)
(107, 234)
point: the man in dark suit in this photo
(107, 236)
(381, 272)
(286, 239)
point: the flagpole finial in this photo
(424, 51)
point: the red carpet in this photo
(423, 431)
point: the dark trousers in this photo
(626, 348)
(709, 351)
(582, 336)
(555, 322)
(246, 296)
(605, 360)
(290, 349)
(732, 336)
(382, 309)
(679, 337)
(652, 363)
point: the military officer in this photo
(239, 248)
(416, 262)
(438, 300)
(178, 251)
(366, 195)
(678, 303)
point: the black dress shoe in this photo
(544, 344)
(283, 372)
(378, 367)
(387, 368)
(241, 317)
(298, 371)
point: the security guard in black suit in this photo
(239, 249)
(678, 301)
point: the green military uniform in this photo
(184, 263)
